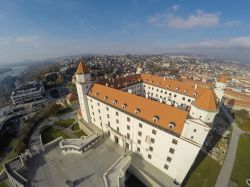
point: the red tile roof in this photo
(223, 79)
(82, 68)
(207, 101)
(146, 108)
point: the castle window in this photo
(117, 121)
(156, 118)
(166, 166)
(139, 141)
(124, 105)
(137, 110)
(140, 125)
(116, 113)
(128, 119)
(192, 137)
(138, 149)
(169, 159)
(128, 127)
(117, 128)
(152, 140)
(139, 133)
(171, 150)
(114, 102)
(149, 156)
(153, 131)
(150, 148)
(194, 130)
(174, 141)
(171, 125)
(183, 98)
(189, 100)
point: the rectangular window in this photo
(153, 131)
(174, 141)
(93, 113)
(166, 166)
(139, 133)
(169, 159)
(139, 141)
(140, 125)
(149, 156)
(128, 127)
(99, 111)
(100, 118)
(152, 140)
(128, 119)
(174, 95)
(189, 100)
(107, 108)
(128, 135)
(98, 104)
(117, 121)
(138, 149)
(183, 98)
(117, 128)
(150, 148)
(107, 115)
(171, 150)
(116, 113)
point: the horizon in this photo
(39, 30)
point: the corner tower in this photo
(139, 69)
(83, 84)
(204, 107)
(220, 86)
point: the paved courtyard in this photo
(52, 168)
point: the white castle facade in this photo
(165, 121)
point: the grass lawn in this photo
(79, 133)
(3, 184)
(241, 169)
(64, 110)
(48, 134)
(65, 123)
(205, 174)
(75, 127)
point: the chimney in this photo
(195, 86)
(107, 84)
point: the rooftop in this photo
(156, 113)
(207, 101)
(223, 79)
(82, 68)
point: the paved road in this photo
(226, 170)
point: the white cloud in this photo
(199, 19)
(133, 25)
(26, 39)
(234, 23)
(175, 7)
(236, 43)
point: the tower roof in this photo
(206, 101)
(139, 65)
(223, 79)
(82, 68)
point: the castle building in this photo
(165, 121)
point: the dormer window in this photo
(195, 94)
(97, 93)
(177, 88)
(168, 86)
(171, 125)
(106, 98)
(158, 84)
(185, 91)
(114, 102)
(137, 110)
(124, 105)
(156, 118)
(151, 82)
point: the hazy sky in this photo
(39, 29)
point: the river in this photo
(15, 70)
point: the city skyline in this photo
(33, 30)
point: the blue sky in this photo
(40, 29)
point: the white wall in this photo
(205, 116)
(181, 160)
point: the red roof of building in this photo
(82, 68)
(140, 107)
(223, 79)
(207, 101)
